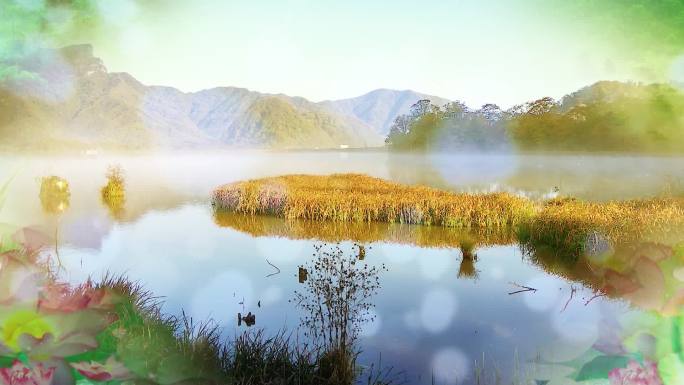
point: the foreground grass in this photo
(170, 350)
(161, 349)
(360, 198)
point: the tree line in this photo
(607, 116)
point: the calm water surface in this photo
(436, 313)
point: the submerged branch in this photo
(276, 267)
(523, 289)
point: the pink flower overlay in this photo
(20, 374)
(111, 369)
(636, 374)
(57, 297)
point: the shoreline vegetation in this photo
(568, 226)
(113, 331)
(606, 116)
(160, 349)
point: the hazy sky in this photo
(504, 51)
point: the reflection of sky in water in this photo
(427, 320)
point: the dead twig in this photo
(276, 267)
(573, 290)
(523, 289)
(596, 295)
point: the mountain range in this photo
(69, 99)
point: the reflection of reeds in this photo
(116, 206)
(54, 194)
(579, 270)
(362, 232)
(622, 274)
(467, 269)
(361, 198)
(468, 258)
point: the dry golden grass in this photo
(361, 198)
(113, 194)
(574, 227)
(115, 189)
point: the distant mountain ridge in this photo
(73, 101)
(379, 108)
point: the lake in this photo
(439, 315)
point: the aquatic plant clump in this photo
(576, 228)
(361, 198)
(115, 189)
(113, 194)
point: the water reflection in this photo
(572, 327)
(467, 267)
(422, 310)
(644, 274)
(54, 194)
(468, 258)
(364, 232)
(591, 336)
(466, 241)
(54, 199)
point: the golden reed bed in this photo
(569, 226)
(575, 227)
(361, 198)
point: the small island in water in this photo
(568, 226)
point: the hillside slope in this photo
(74, 102)
(379, 108)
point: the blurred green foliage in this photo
(27, 25)
(607, 116)
(643, 36)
